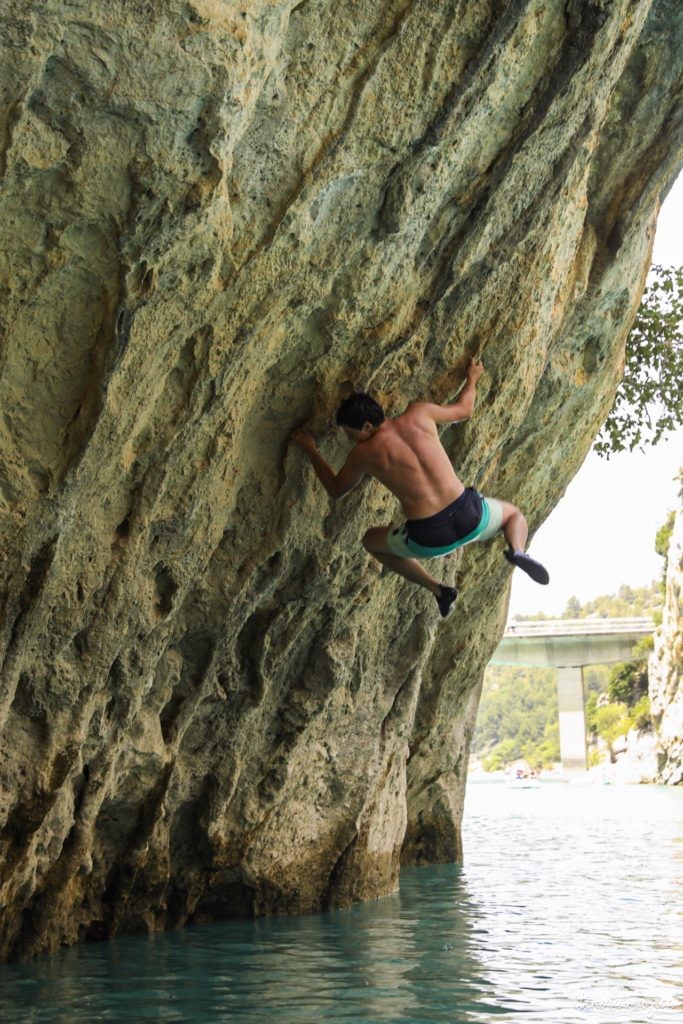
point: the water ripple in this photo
(565, 910)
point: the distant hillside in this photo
(627, 601)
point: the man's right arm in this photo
(463, 406)
(336, 484)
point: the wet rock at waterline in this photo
(217, 219)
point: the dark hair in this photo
(358, 409)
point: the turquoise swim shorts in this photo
(448, 521)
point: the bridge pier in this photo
(572, 719)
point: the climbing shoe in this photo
(446, 600)
(530, 566)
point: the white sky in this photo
(602, 532)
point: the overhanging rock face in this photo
(217, 218)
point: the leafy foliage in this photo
(663, 537)
(628, 682)
(611, 721)
(649, 401)
(662, 541)
(640, 713)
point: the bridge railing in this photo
(579, 627)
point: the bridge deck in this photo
(643, 625)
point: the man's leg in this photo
(514, 526)
(375, 541)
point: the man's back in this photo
(406, 455)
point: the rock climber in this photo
(406, 455)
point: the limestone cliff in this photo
(216, 218)
(666, 665)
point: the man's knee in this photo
(509, 511)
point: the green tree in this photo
(612, 720)
(662, 541)
(590, 712)
(493, 762)
(628, 682)
(548, 751)
(649, 401)
(663, 536)
(641, 714)
(628, 679)
(595, 679)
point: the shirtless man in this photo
(406, 455)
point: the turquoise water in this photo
(566, 909)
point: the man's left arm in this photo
(336, 484)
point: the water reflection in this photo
(408, 957)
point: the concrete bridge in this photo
(568, 645)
